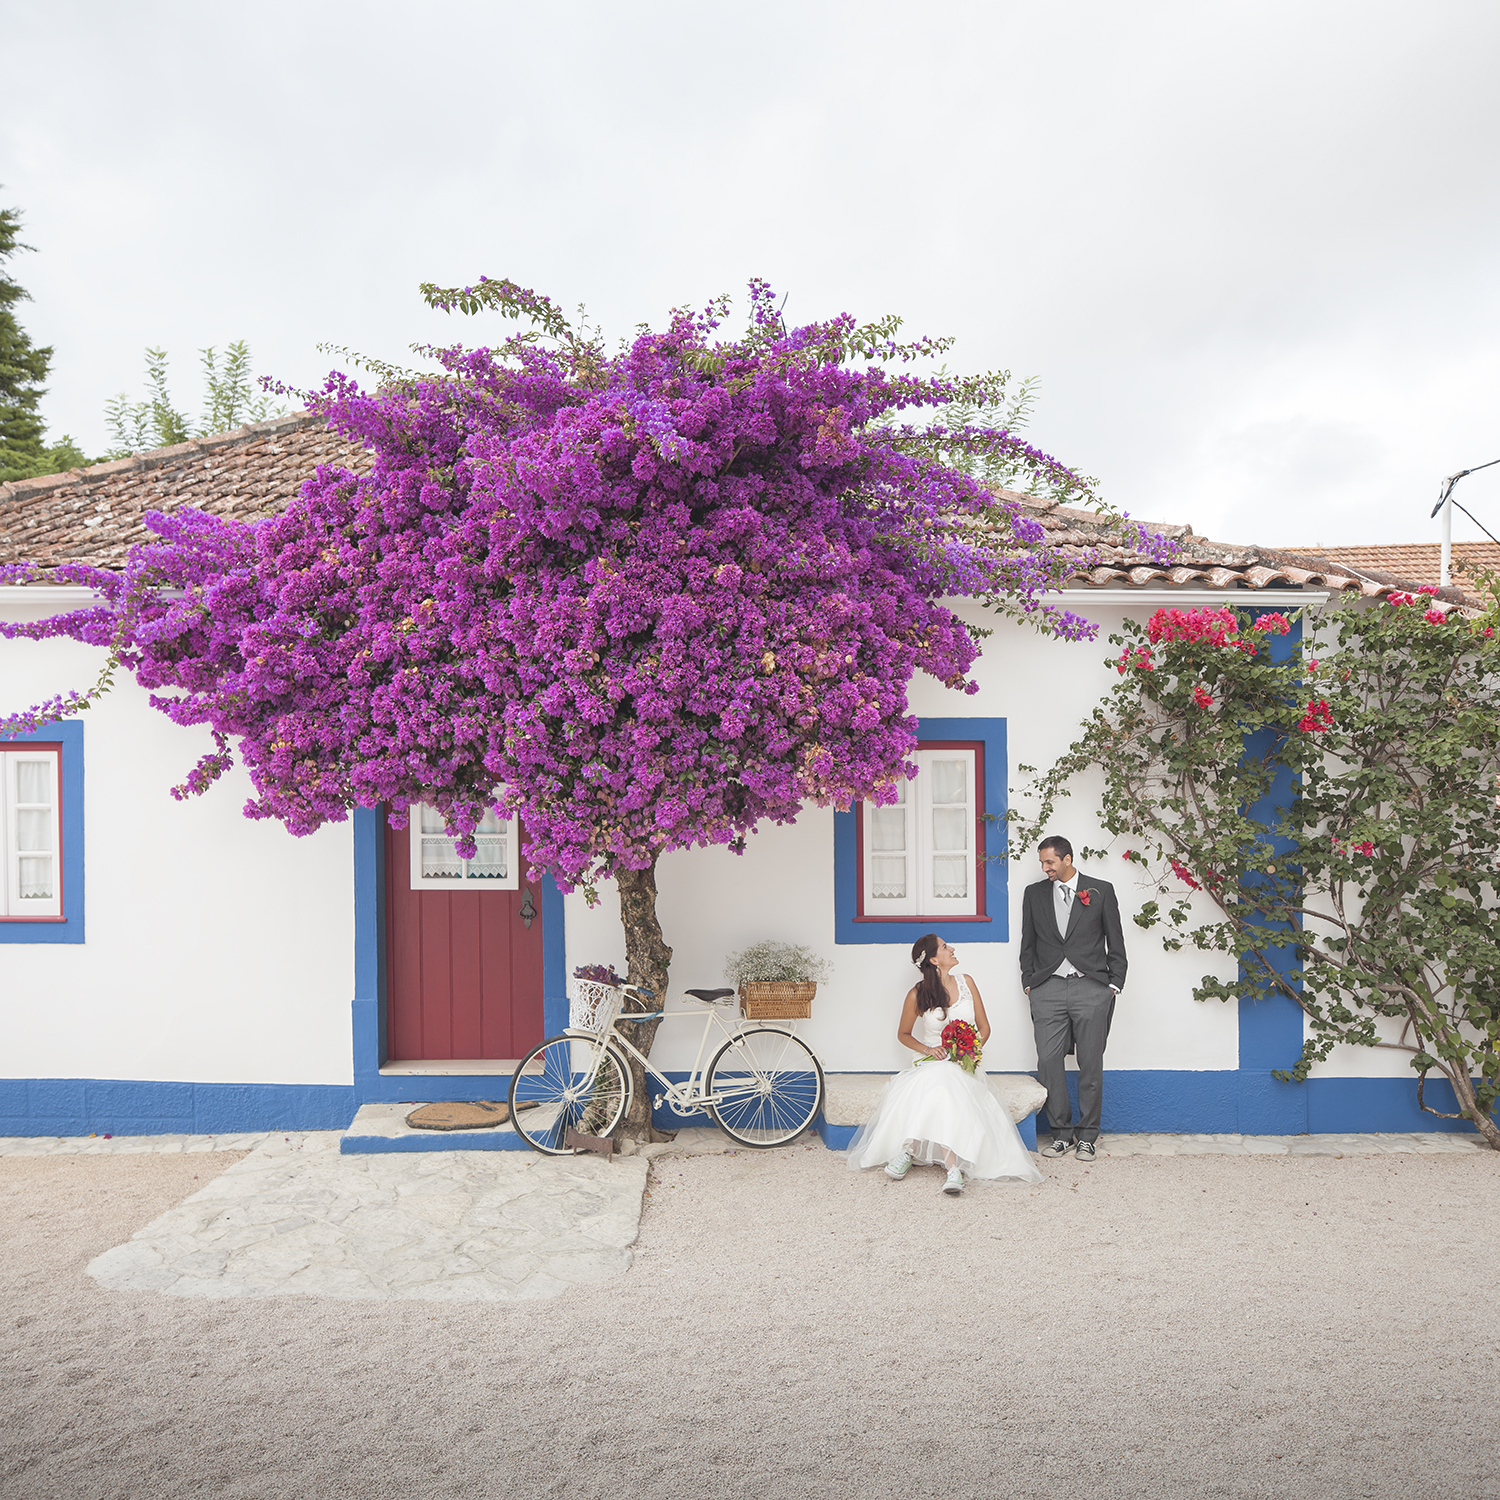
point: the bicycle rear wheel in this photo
(767, 1087)
(556, 1087)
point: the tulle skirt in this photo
(934, 1109)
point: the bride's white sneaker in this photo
(955, 1182)
(897, 1167)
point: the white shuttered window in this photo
(31, 834)
(919, 856)
(435, 863)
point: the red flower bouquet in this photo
(961, 1043)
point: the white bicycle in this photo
(763, 1087)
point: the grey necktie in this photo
(1062, 910)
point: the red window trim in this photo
(62, 894)
(977, 746)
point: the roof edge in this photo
(155, 458)
(1449, 595)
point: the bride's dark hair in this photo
(932, 993)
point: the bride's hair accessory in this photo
(932, 994)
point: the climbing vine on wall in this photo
(1335, 803)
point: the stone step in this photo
(848, 1101)
(383, 1127)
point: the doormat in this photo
(478, 1114)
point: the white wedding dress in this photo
(935, 1108)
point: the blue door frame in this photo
(369, 1006)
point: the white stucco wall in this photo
(221, 950)
(712, 902)
(218, 949)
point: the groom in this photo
(1072, 967)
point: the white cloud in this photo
(1248, 247)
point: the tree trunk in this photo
(1468, 1102)
(1432, 1033)
(647, 959)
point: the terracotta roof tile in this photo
(1121, 563)
(1417, 563)
(94, 515)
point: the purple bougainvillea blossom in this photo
(646, 600)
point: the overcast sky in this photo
(1249, 249)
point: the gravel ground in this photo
(1188, 1326)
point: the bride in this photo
(935, 1113)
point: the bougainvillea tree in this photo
(646, 599)
(1337, 808)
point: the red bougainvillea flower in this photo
(1202, 697)
(1139, 656)
(1185, 875)
(1272, 625)
(1216, 626)
(1366, 848)
(1435, 617)
(1317, 719)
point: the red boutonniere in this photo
(1083, 898)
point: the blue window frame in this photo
(992, 923)
(69, 928)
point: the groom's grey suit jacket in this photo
(1095, 941)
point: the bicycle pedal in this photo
(656, 1102)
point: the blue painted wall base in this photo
(121, 1106)
(1243, 1102)
(1249, 1101)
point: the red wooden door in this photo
(463, 968)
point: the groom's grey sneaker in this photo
(1058, 1147)
(1085, 1151)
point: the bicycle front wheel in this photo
(766, 1086)
(559, 1086)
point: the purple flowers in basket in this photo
(598, 974)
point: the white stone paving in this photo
(295, 1217)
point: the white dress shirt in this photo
(1064, 894)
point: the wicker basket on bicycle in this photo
(592, 1005)
(791, 1000)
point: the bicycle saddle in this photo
(711, 997)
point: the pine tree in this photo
(23, 375)
(23, 368)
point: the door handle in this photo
(528, 909)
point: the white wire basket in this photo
(591, 1005)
